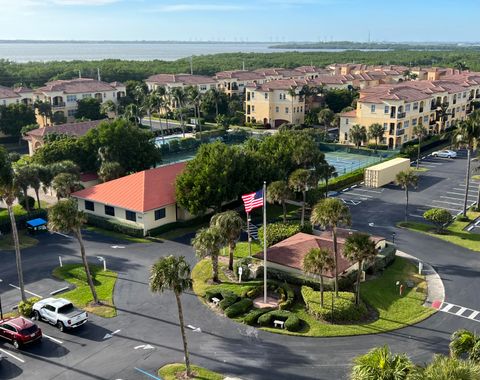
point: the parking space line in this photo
(360, 195)
(13, 356)
(368, 190)
(452, 203)
(462, 194)
(446, 208)
(461, 311)
(147, 374)
(26, 291)
(446, 197)
(53, 339)
(448, 307)
(473, 315)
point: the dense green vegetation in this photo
(37, 73)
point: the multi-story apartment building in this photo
(14, 96)
(63, 96)
(235, 82)
(274, 103)
(399, 107)
(170, 81)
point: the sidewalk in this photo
(435, 288)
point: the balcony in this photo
(400, 132)
(401, 115)
(420, 109)
(432, 122)
(58, 105)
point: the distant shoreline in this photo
(132, 42)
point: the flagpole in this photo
(264, 242)
(249, 237)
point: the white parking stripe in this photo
(448, 307)
(359, 195)
(368, 190)
(457, 199)
(53, 339)
(461, 311)
(13, 356)
(452, 203)
(473, 315)
(26, 291)
(456, 193)
(446, 208)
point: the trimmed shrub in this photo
(252, 317)
(229, 298)
(379, 146)
(292, 322)
(239, 308)
(252, 292)
(279, 231)
(26, 307)
(344, 308)
(245, 269)
(212, 293)
(23, 202)
(20, 219)
(114, 225)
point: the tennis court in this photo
(346, 162)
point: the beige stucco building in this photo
(15, 96)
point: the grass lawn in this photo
(456, 234)
(81, 296)
(117, 235)
(26, 241)
(174, 371)
(182, 231)
(275, 212)
(241, 249)
(476, 177)
(420, 170)
(394, 311)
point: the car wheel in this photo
(449, 156)
(61, 326)
(36, 315)
(435, 155)
(16, 344)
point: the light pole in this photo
(1, 310)
(393, 237)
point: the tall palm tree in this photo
(44, 109)
(149, 104)
(449, 368)
(420, 131)
(465, 343)
(360, 248)
(376, 131)
(65, 184)
(109, 107)
(24, 176)
(180, 98)
(330, 213)
(173, 273)
(468, 135)
(358, 134)
(279, 192)
(325, 172)
(442, 114)
(381, 364)
(316, 262)
(64, 217)
(230, 225)
(160, 100)
(406, 179)
(301, 180)
(292, 92)
(208, 242)
(216, 97)
(8, 193)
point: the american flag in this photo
(253, 200)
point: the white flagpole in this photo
(264, 242)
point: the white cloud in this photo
(199, 8)
(83, 2)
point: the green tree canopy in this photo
(14, 117)
(89, 108)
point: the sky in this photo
(240, 20)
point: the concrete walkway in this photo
(435, 288)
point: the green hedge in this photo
(276, 232)
(114, 225)
(181, 224)
(382, 260)
(379, 146)
(292, 322)
(204, 135)
(25, 308)
(239, 308)
(344, 308)
(21, 217)
(252, 317)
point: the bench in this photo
(280, 324)
(215, 301)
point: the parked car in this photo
(59, 312)
(19, 331)
(445, 154)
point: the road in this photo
(145, 334)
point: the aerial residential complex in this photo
(15, 96)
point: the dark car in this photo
(19, 331)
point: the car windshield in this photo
(65, 309)
(29, 330)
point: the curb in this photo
(435, 288)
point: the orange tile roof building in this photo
(145, 199)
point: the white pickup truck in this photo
(59, 312)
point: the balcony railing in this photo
(58, 105)
(401, 115)
(400, 132)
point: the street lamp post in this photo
(1, 310)
(393, 237)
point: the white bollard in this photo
(240, 271)
(420, 267)
(104, 265)
(60, 261)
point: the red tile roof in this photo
(7, 92)
(280, 84)
(352, 113)
(184, 79)
(140, 192)
(71, 129)
(76, 86)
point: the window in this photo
(464, 94)
(203, 87)
(71, 112)
(301, 108)
(86, 96)
(415, 106)
(49, 308)
(266, 95)
(406, 124)
(372, 108)
(346, 121)
(90, 206)
(253, 95)
(385, 126)
(160, 213)
(277, 109)
(407, 107)
(253, 108)
(109, 210)
(286, 109)
(414, 122)
(9, 327)
(130, 215)
(425, 119)
(386, 109)
(71, 98)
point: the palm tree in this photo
(330, 213)
(230, 225)
(216, 97)
(24, 177)
(326, 172)
(149, 104)
(109, 107)
(110, 170)
(465, 343)
(326, 117)
(381, 364)
(292, 92)
(420, 131)
(317, 261)
(173, 273)
(449, 368)
(360, 248)
(8, 193)
(406, 179)
(180, 98)
(64, 217)
(442, 114)
(468, 135)
(44, 109)
(376, 131)
(208, 242)
(279, 192)
(301, 180)
(131, 113)
(65, 184)
(358, 134)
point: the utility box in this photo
(384, 173)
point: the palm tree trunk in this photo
(359, 276)
(78, 235)
(335, 257)
(304, 193)
(216, 109)
(38, 199)
(184, 336)
(467, 183)
(215, 267)
(25, 195)
(326, 186)
(406, 203)
(231, 249)
(18, 256)
(284, 211)
(418, 152)
(376, 144)
(478, 198)
(321, 290)
(150, 120)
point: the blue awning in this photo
(37, 222)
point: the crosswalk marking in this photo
(473, 315)
(461, 311)
(448, 307)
